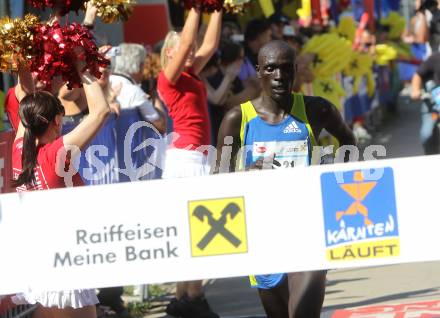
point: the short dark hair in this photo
(278, 18)
(213, 61)
(229, 51)
(255, 28)
(428, 5)
(276, 44)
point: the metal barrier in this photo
(21, 311)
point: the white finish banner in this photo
(307, 218)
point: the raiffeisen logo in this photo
(360, 216)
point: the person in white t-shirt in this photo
(128, 63)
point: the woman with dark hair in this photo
(224, 88)
(40, 157)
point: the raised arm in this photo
(219, 95)
(25, 83)
(416, 86)
(188, 37)
(98, 112)
(90, 15)
(210, 42)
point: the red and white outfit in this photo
(187, 105)
(45, 173)
(11, 107)
(47, 178)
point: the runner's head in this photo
(276, 69)
(41, 114)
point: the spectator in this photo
(224, 87)
(128, 72)
(428, 74)
(230, 31)
(277, 23)
(294, 40)
(417, 35)
(432, 9)
(257, 34)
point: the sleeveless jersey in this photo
(290, 141)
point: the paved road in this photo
(357, 288)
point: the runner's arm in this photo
(336, 126)
(230, 127)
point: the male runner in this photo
(279, 128)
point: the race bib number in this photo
(288, 154)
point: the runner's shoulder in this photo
(233, 114)
(318, 105)
(316, 101)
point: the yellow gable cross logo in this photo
(218, 226)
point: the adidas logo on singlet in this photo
(292, 128)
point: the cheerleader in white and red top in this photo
(184, 95)
(37, 146)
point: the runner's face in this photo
(276, 71)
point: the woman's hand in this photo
(233, 69)
(90, 15)
(115, 107)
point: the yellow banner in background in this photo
(267, 7)
(306, 9)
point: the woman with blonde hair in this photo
(185, 97)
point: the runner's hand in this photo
(263, 163)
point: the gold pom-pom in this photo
(111, 11)
(235, 6)
(16, 37)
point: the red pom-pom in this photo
(55, 53)
(207, 6)
(64, 6)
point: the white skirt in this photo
(181, 163)
(75, 299)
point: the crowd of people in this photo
(260, 86)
